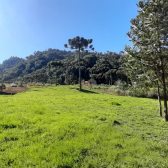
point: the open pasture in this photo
(60, 127)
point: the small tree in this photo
(144, 75)
(79, 43)
(2, 86)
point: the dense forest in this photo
(104, 68)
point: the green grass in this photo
(60, 127)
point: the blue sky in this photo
(36, 25)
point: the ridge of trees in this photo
(34, 67)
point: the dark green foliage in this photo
(90, 59)
(56, 65)
(106, 69)
(79, 43)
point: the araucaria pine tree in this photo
(79, 43)
(149, 34)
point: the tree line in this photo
(39, 67)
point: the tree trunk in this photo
(80, 87)
(164, 92)
(55, 78)
(127, 80)
(66, 76)
(159, 101)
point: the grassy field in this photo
(60, 127)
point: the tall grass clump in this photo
(124, 90)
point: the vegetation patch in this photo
(6, 139)
(115, 103)
(10, 126)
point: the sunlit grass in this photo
(62, 127)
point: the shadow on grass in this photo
(84, 90)
(5, 93)
(87, 91)
(72, 88)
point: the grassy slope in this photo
(62, 127)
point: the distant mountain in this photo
(14, 66)
(11, 62)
